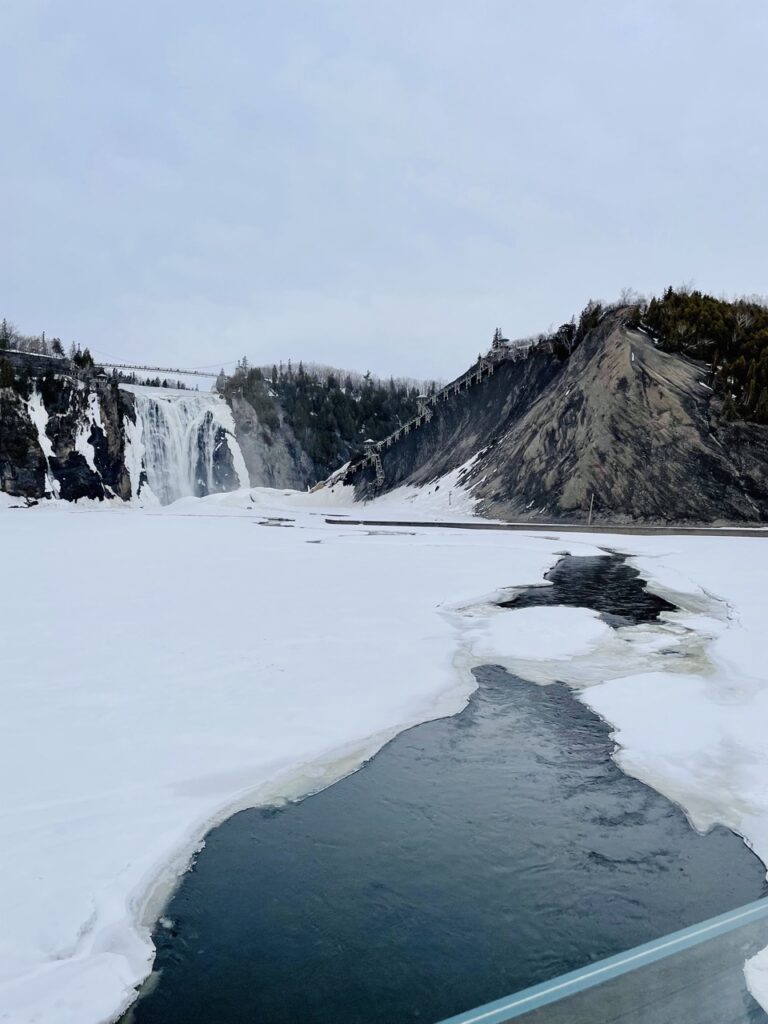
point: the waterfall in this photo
(188, 443)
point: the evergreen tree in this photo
(729, 409)
(22, 383)
(731, 337)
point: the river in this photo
(471, 857)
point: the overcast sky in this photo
(373, 184)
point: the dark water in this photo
(471, 857)
(604, 583)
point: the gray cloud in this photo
(372, 185)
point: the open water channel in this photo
(471, 857)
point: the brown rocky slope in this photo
(620, 420)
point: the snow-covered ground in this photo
(163, 667)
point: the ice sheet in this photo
(229, 650)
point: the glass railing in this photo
(694, 976)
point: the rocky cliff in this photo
(71, 433)
(63, 437)
(272, 454)
(615, 423)
(619, 423)
(22, 463)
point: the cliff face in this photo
(463, 425)
(620, 420)
(64, 438)
(619, 423)
(273, 456)
(83, 417)
(22, 463)
(78, 435)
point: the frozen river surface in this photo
(220, 663)
(473, 856)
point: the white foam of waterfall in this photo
(180, 434)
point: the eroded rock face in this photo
(109, 441)
(225, 476)
(83, 431)
(82, 417)
(621, 420)
(273, 457)
(22, 463)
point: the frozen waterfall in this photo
(185, 442)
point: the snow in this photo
(444, 497)
(756, 973)
(537, 633)
(39, 416)
(82, 439)
(237, 649)
(11, 501)
(216, 662)
(134, 461)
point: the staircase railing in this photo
(478, 372)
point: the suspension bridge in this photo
(210, 374)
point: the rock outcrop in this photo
(85, 419)
(64, 437)
(22, 462)
(273, 456)
(620, 424)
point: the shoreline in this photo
(626, 530)
(441, 620)
(465, 661)
(292, 784)
(290, 787)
